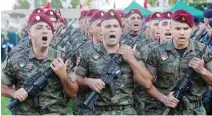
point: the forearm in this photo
(7, 91)
(155, 93)
(141, 74)
(207, 76)
(70, 88)
(81, 81)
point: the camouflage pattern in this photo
(165, 63)
(132, 41)
(199, 35)
(145, 50)
(21, 67)
(26, 43)
(91, 64)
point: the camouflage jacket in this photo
(91, 65)
(21, 67)
(165, 63)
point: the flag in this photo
(48, 5)
(145, 3)
(15, 6)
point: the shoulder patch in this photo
(22, 63)
(164, 56)
(95, 55)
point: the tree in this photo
(75, 3)
(23, 4)
(56, 4)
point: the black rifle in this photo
(39, 81)
(110, 73)
(185, 84)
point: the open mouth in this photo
(44, 38)
(136, 25)
(168, 34)
(112, 36)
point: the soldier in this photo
(93, 61)
(134, 19)
(153, 29)
(145, 105)
(95, 26)
(171, 62)
(201, 30)
(58, 12)
(164, 28)
(22, 66)
(54, 18)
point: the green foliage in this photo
(202, 6)
(56, 4)
(75, 3)
(23, 4)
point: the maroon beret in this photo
(147, 18)
(81, 14)
(58, 12)
(38, 10)
(121, 13)
(183, 17)
(166, 15)
(97, 15)
(112, 14)
(132, 11)
(52, 13)
(41, 17)
(155, 16)
(90, 12)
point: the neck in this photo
(112, 49)
(40, 53)
(95, 40)
(180, 46)
(134, 32)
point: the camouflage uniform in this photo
(165, 63)
(20, 68)
(142, 104)
(91, 64)
(199, 35)
(132, 41)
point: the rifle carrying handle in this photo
(13, 104)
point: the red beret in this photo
(208, 13)
(81, 14)
(132, 11)
(121, 13)
(166, 15)
(58, 12)
(112, 14)
(52, 13)
(183, 17)
(38, 10)
(41, 17)
(90, 12)
(155, 16)
(147, 18)
(97, 15)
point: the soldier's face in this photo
(209, 30)
(41, 34)
(95, 29)
(154, 29)
(135, 22)
(165, 30)
(111, 32)
(181, 33)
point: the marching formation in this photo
(115, 63)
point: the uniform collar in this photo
(51, 54)
(190, 47)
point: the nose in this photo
(45, 31)
(182, 32)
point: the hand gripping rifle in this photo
(110, 73)
(39, 82)
(185, 84)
